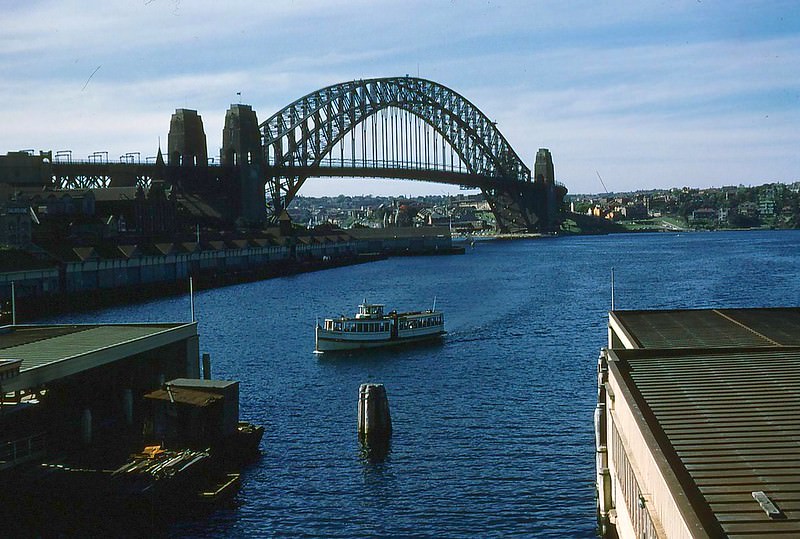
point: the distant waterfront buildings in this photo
(772, 205)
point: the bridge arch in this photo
(297, 139)
(304, 132)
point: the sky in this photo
(642, 94)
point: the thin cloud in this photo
(654, 94)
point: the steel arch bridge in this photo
(406, 128)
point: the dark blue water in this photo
(493, 428)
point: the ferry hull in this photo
(332, 344)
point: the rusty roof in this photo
(709, 328)
(728, 423)
(184, 395)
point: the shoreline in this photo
(31, 310)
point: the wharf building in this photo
(109, 427)
(697, 424)
(67, 387)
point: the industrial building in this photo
(697, 424)
(64, 387)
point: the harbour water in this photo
(493, 433)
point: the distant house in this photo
(633, 211)
(748, 209)
(704, 214)
(766, 207)
(15, 224)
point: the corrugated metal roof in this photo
(710, 328)
(729, 421)
(37, 346)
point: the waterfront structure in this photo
(401, 240)
(696, 424)
(66, 273)
(77, 385)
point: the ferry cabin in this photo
(371, 328)
(409, 325)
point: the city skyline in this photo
(644, 96)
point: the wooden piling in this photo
(206, 367)
(374, 420)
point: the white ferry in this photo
(372, 328)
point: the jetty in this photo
(696, 424)
(113, 415)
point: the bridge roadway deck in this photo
(126, 174)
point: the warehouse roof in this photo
(50, 352)
(726, 420)
(707, 328)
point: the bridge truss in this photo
(397, 127)
(90, 175)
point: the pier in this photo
(85, 411)
(696, 424)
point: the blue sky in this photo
(648, 94)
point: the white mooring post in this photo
(374, 420)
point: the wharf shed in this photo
(64, 387)
(698, 424)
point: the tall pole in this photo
(612, 288)
(13, 305)
(191, 297)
